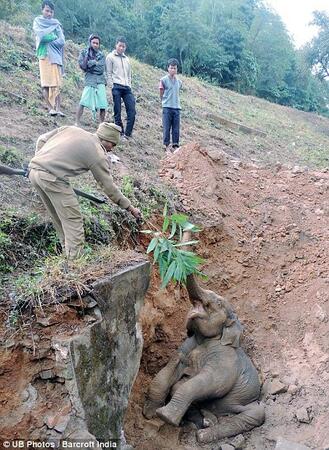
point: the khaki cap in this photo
(109, 132)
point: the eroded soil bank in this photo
(265, 239)
(67, 370)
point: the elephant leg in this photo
(193, 414)
(209, 419)
(161, 385)
(178, 384)
(196, 388)
(167, 377)
(248, 417)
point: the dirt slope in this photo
(265, 231)
(266, 249)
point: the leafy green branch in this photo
(169, 252)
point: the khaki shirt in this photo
(70, 151)
(118, 69)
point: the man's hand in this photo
(135, 212)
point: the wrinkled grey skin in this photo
(210, 370)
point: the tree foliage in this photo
(317, 52)
(238, 44)
(18, 12)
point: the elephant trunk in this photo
(197, 312)
(195, 292)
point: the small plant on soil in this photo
(54, 279)
(10, 156)
(127, 185)
(169, 252)
(5, 242)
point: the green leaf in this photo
(152, 245)
(178, 273)
(180, 219)
(170, 272)
(184, 275)
(170, 252)
(163, 266)
(157, 253)
(186, 253)
(164, 245)
(187, 226)
(173, 230)
(165, 224)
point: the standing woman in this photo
(50, 51)
(92, 62)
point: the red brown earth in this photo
(34, 400)
(265, 239)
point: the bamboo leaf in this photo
(165, 210)
(170, 252)
(186, 253)
(157, 253)
(180, 219)
(170, 272)
(163, 266)
(178, 273)
(147, 231)
(184, 274)
(165, 224)
(152, 245)
(173, 230)
(187, 226)
(164, 245)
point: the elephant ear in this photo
(232, 332)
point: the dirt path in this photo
(265, 242)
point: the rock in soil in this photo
(239, 442)
(283, 444)
(227, 447)
(303, 415)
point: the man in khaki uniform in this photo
(64, 153)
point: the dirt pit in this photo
(265, 239)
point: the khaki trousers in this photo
(63, 207)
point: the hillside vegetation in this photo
(244, 127)
(242, 45)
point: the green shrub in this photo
(10, 156)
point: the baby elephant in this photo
(210, 370)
